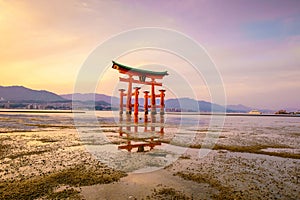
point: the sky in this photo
(255, 45)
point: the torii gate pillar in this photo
(129, 94)
(143, 78)
(121, 100)
(136, 100)
(153, 103)
(146, 96)
(162, 102)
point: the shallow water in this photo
(256, 156)
(107, 136)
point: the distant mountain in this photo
(183, 104)
(178, 104)
(209, 107)
(23, 94)
(288, 109)
(245, 109)
(20, 93)
(239, 108)
(91, 97)
(187, 104)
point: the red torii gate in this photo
(142, 75)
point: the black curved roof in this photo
(141, 71)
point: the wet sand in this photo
(220, 175)
(49, 160)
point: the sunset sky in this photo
(254, 44)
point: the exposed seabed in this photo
(44, 157)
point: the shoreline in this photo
(233, 114)
(39, 111)
(168, 113)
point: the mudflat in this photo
(44, 157)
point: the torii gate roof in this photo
(138, 72)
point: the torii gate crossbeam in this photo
(142, 75)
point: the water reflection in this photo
(142, 135)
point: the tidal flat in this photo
(49, 156)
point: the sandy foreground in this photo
(52, 162)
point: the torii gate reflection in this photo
(143, 142)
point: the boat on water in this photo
(255, 112)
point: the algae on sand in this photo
(165, 193)
(40, 186)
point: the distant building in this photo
(281, 112)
